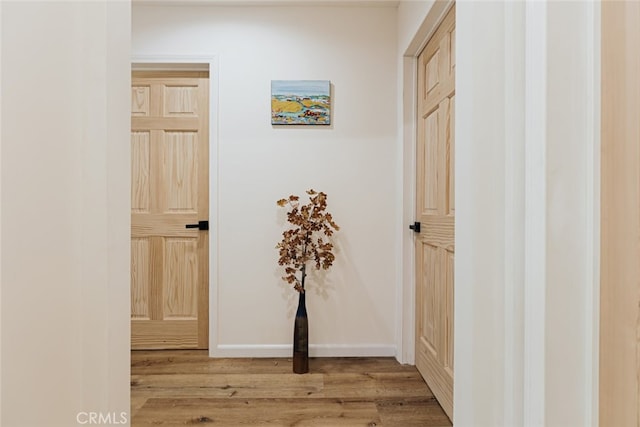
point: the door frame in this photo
(405, 334)
(210, 64)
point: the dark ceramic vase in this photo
(301, 338)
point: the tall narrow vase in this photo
(301, 338)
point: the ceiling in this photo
(360, 3)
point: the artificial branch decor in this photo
(304, 243)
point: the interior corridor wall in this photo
(352, 309)
(527, 200)
(65, 194)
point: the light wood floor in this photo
(171, 388)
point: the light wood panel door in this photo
(434, 253)
(169, 191)
(620, 216)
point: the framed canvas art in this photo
(300, 102)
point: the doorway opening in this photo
(169, 207)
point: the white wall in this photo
(65, 201)
(352, 310)
(573, 219)
(526, 209)
(526, 214)
(411, 17)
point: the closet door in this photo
(169, 198)
(435, 205)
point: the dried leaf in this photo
(299, 244)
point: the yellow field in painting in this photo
(311, 103)
(285, 106)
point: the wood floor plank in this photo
(187, 387)
(230, 385)
(192, 362)
(343, 365)
(257, 412)
(137, 401)
(198, 361)
(375, 385)
(412, 412)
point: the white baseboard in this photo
(317, 350)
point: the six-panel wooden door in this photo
(435, 209)
(169, 190)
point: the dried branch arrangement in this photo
(305, 242)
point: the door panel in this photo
(140, 278)
(140, 95)
(180, 161)
(451, 159)
(140, 160)
(181, 279)
(435, 184)
(169, 189)
(431, 130)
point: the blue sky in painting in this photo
(300, 87)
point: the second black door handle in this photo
(201, 225)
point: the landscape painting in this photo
(300, 102)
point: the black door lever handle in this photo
(201, 225)
(415, 227)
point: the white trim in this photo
(315, 350)
(161, 65)
(201, 63)
(406, 301)
(514, 212)
(268, 3)
(406, 311)
(1, 369)
(535, 213)
(592, 232)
